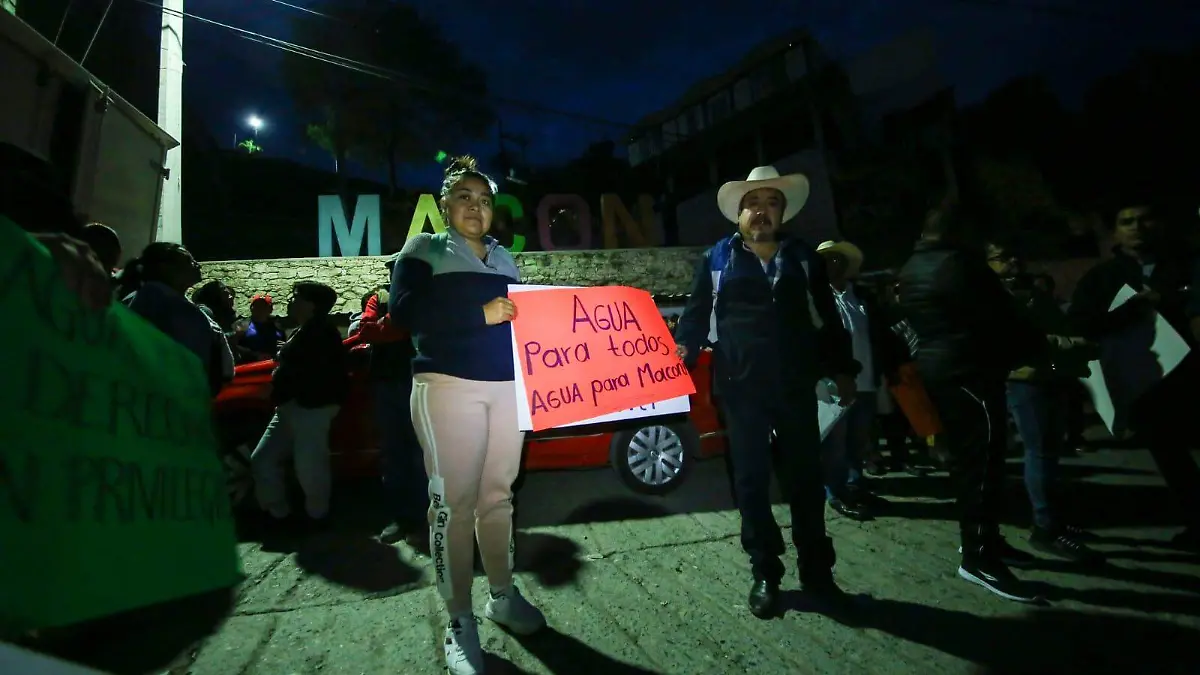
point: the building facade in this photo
(789, 105)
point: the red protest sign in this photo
(587, 352)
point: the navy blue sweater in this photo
(439, 288)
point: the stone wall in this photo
(662, 271)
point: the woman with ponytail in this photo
(450, 290)
(155, 285)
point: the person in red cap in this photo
(404, 478)
(263, 335)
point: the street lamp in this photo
(255, 122)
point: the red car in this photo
(651, 455)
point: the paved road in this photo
(658, 586)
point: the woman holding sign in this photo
(449, 289)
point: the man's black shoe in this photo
(850, 509)
(1188, 540)
(764, 598)
(1062, 544)
(866, 499)
(995, 576)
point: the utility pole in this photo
(170, 118)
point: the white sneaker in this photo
(464, 656)
(510, 609)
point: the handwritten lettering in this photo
(616, 316)
(20, 482)
(555, 357)
(639, 346)
(614, 356)
(608, 384)
(109, 490)
(92, 402)
(648, 374)
(554, 399)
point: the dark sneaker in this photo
(865, 498)
(1010, 555)
(393, 533)
(763, 599)
(317, 525)
(1062, 544)
(1078, 533)
(877, 469)
(1188, 540)
(849, 509)
(997, 578)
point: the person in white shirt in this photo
(880, 352)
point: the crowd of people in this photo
(779, 315)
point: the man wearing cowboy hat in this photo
(880, 352)
(762, 300)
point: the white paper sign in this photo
(829, 411)
(673, 406)
(14, 659)
(1130, 364)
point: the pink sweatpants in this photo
(468, 432)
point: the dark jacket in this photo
(312, 369)
(439, 288)
(1171, 279)
(1046, 314)
(392, 349)
(262, 337)
(968, 325)
(777, 331)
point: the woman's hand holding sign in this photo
(499, 310)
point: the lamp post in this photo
(254, 122)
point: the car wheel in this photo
(240, 435)
(656, 458)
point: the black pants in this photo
(749, 423)
(974, 419)
(1165, 421)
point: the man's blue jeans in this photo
(406, 487)
(848, 445)
(1039, 412)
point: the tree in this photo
(250, 146)
(418, 95)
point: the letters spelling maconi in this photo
(366, 223)
(594, 351)
(106, 446)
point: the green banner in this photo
(112, 496)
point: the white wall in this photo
(120, 159)
(27, 115)
(701, 224)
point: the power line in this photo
(1070, 12)
(379, 71)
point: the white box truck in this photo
(110, 154)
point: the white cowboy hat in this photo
(852, 253)
(793, 186)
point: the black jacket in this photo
(778, 331)
(1171, 279)
(1045, 313)
(968, 325)
(312, 369)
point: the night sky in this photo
(621, 59)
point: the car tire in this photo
(645, 456)
(239, 434)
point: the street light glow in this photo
(255, 122)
